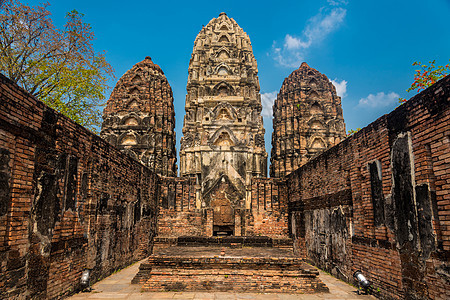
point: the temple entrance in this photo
(223, 216)
(225, 201)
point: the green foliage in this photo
(59, 67)
(351, 131)
(426, 76)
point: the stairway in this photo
(205, 266)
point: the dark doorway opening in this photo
(223, 230)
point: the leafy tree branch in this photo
(58, 66)
(426, 76)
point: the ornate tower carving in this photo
(223, 134)
(307, 120)
(139, 118)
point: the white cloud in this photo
(293, 51)
(287, 58)
(291, 42)
(321, 25)
(267, 100)
(337, 2)
(379, 100)
(341, 87)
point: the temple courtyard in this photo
(78, 207)
(118, 286)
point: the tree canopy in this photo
(58, 66)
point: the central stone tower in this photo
(223, 134)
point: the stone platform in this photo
(227, 241)
(228, 268)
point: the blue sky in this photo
(366, 47)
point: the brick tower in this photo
(307, 119)
(139, 117)
(223, 134)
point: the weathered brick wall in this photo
(268, 215)
(68, 201)
(380, 201)
(178, 215)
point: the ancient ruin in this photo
(377, 201)
(223, 135)
(307, 119)
(139, 118)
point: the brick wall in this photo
(68, 201)
(178, 215)
(380, 201)
(268, 214)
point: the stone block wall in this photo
(380, 201)
(68, 201)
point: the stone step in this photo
(230, 241)
(143, 274)
(232, 280)
(226, 241)
(228, 273)
(224, 262)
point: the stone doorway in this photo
(225, 201)
(223, 216)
